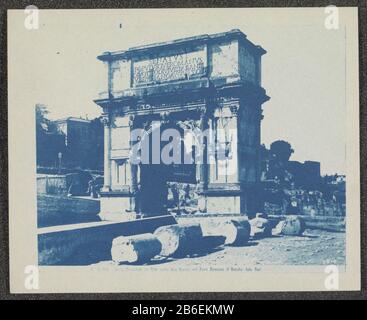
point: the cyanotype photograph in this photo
(184, 150)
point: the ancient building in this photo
(208, 82)
(79, 143)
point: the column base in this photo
(117, 206)
(119, 216)
(106, 189)
(220, 204)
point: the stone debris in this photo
(211, 242)
(204, 236)
(290, 226)
(260, 227)
(293, 226)
(277, 231)
(135, 249)
(179, 240)
(235, 231)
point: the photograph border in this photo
(212, 295)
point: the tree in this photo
(41, 120)
(48, 141)
(281, 151)
(278, 156)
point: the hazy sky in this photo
(303, 71)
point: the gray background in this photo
(4, 248)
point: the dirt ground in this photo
(316, 247)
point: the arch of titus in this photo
(207, 82)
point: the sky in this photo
(303, 71)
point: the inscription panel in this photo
(171, 67)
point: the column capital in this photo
(131, 120)
(204, 117)
(203, 111)
(164, 117)
(106, 120)
(234, 109)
